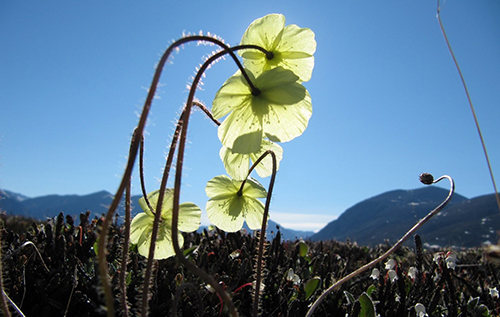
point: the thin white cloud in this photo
(303, 222)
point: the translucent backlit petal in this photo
(166, 207)
(226, 209)
(226, 213)
(234, 94)
(164, 247)
(189, 217)
(236, 164)
(241, 131)
(292, 47)
(253, 189)
(264, 31)
(284, 123)
(302, 67)
(296, 39)
(265, 167)
(275, 78)
(140, 225)
(254, 213)
(221, 187)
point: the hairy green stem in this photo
(391, 250)
(262, 240)
(102, 241)
(180, 127)
(126, 239)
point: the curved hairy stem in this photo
(426, 179)
(141, 175)
(178, 176)
(103, 268)
(262, 240)
(126, 239)
(438, 15)
(180, 133)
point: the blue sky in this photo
(387, 100)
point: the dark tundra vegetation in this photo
(57, 275)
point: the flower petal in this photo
(164, 247)
(221, 187)
(265, 167)
(298, 40)
(236, 164)
(232, 95)
(253, 189)
(139, 226)
(226, 213)
(264, 31)
(254, 213)
(166, 206)
(241, 131)
(284, 123)
(189, 217)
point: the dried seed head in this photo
(426, 178)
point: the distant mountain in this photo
(50, 206)
(463, 222)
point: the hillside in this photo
(51, 205)
(463, 222)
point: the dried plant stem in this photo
(18, 311)
(391, 250)
(438, 15)
(102, 241)
(25, 244)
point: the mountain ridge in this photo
(378, 219)
(386, 217)
(50, 206)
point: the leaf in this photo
(367, 306)
(311, 286)
(370, 290)
(303, 248)
(350, 298)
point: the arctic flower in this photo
(142, 224)
(420, 310)
(228, 208)
(390, 264)
(393, 276)
(279, 111)
(237, 165)
(375, 273)
(291, 47)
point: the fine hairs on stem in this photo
(441, 26)
(183, 122)
(126, 239)
(426, 179)
(102, 241)
(262, 237)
